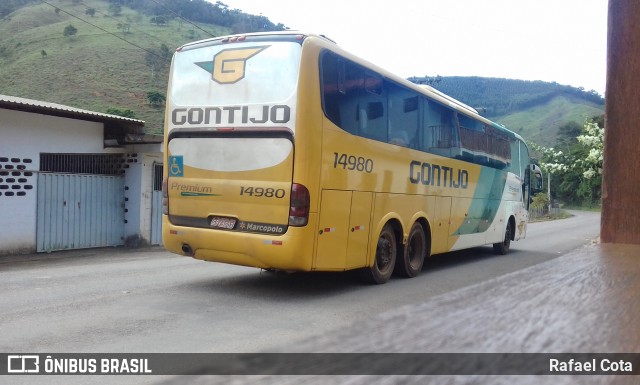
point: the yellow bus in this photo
(283, 151)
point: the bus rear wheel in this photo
(415, 252)
(502, 248)
(385, 259)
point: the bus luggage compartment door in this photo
(343, 230)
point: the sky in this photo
(561, 41)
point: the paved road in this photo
(153, 301)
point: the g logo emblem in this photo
(229, 65)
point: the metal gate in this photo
(79, 211)
(156, 206)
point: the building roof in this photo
(118, 130)
(40, 107)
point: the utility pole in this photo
(549, 192)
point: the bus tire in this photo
(502, 248)
(415, 251)
(385, 258)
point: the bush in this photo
(124, 113)
(540, 201)
(70, 30)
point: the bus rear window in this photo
(239, 73)
(231, 154)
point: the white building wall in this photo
(31, 133)
(25, 135)
(132, 179)
(138, 193)
(148, 162)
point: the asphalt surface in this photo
(115, 300)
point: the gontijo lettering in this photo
(431, 174)
(278, 114)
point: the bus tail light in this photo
(300, 203)
(165, 196)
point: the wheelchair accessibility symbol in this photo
(176, 167)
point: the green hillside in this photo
(540, 123)
(113, 60)
(534, 109)
(120, 53)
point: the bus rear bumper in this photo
(292, 251)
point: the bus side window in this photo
(331, 97)
(523, 155)
(342, 86)
(403, 116)
(473, 140)
(498, 148)
(371, 114)
(437, 129)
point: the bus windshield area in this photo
(236, 84)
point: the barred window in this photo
(97, 164)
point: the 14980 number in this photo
(352, 162)
(266, 192)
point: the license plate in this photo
(223, 223)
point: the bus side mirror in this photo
(536, 179)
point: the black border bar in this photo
(320, 363)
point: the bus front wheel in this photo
(502, 248)
(410, 264)
(385, 259)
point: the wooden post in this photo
(621, 174)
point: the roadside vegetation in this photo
(574, 165)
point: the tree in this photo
(69, 30)
(540, 202)
(9, 6)
(165, 52)
(90, 11)
(592, 140)
(577, 171)
(43, 54)
(157, 59)
(155, 98)
(568, 134)
(158, 20)
(125, 27)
